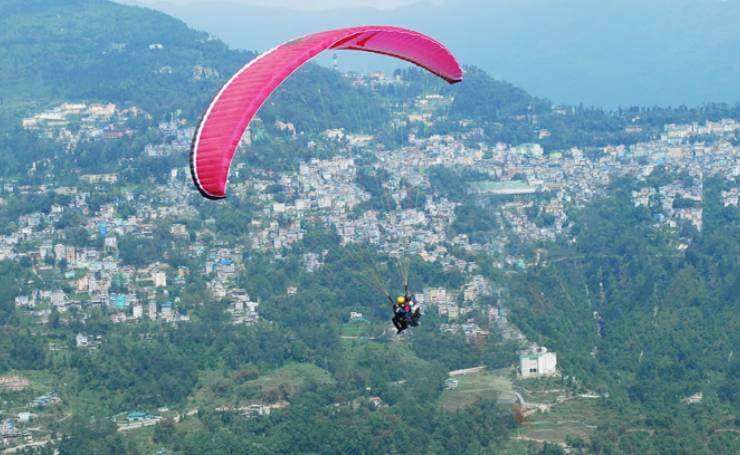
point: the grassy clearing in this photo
(142, 439)
(577, 417)
(518, 447)
(353, 347)
(479, 386)
(545, 390)
(217, 389)
(290, 377)
(355, 330)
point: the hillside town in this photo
(328, 191)
(529, 192)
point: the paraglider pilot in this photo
(399, 314)
(405, 311)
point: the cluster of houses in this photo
(327, 191)
(567, 178)
(88, 277)
(243, 309)
(73, 122)
(9, 433)
(665, 200)
(255, 409)
(17, 428)
(178, 137)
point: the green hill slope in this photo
(53, 51)
(644, 321)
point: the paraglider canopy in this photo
(230, 112)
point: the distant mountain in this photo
(97, 50)
(616, 53)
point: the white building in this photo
(437, 296)
(537, 363)
(159, 278)
(81, 340)
(152, 310)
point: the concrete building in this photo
(159, 278)
(57, 297)
(537, 363)
(167, 310)
(81, 341)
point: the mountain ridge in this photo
(574, 51)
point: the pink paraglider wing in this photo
(230, 112)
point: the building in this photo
(99, 178)
(152, 310)
(7, 427)
(138, 416)
(159, 277)
(179, 230)
(57, 297)
(437, 296)
(537, 363)
(81, 341)
(167, 310)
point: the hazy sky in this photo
(300, 4)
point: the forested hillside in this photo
(96, 50)
(643, 320)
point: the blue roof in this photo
(120, 301)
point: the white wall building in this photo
(81, 340)
(159, 278)
(537, 363)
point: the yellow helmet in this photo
(400, 299)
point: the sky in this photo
(614, 53)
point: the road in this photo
(467, 371)
(137, 425)
(29, 445)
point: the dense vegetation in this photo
(95, 50)
(644, 322)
